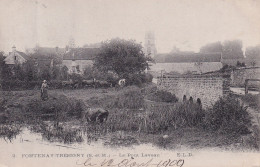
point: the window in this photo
(15, 57)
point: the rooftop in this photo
(81, 54)
(192, 57)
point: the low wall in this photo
(238, 76)
(207, 88)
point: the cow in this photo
(121, 82)
(98, 115)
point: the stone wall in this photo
(207, 88)
(238, 76)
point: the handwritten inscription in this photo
(131, 163)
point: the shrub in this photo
(57, 107)
(131, 98)
(180, 115)
(139, 79)
(163, 96)
(228, 116)
(9, 131)
(252, 100)
(155, 121)
(24, 85)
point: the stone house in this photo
(16, 57)
(183, 63)
(77, 59)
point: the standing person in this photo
(44, 92)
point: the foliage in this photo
(240, 64)
(232, 49)
(228, 116)
(122, 57)
(61, 106)
(179, 116)
(163, 96)
(5, 71)
(139, 79)
(211, 48)
(253, 52)
(229, 49)
(155, 121)
(252, 100)
(227, 67)
(132, 98)
(22, 85)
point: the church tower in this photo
(149, 44)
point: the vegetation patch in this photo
(162, 96)
(59, 107)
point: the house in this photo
(77, 59)
(182, 63)
(46, 51)
(16, 57)
(46, 57)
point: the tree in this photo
(253, 52)
(5, 71)
(64, 73)
(211, 47)
(123, 57)
(232, 49)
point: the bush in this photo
(252, 100)
(155, 121)
(228, 116)
(24, 85)
(131, 98)
(163, 96)
(57, 107)
(139, 79)
(178, 116)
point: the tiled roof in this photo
(49, 50)
(192, 57)
(81, 54)
(25, 56)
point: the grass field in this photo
(129, 121)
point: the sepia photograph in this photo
(130, 83)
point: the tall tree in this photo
(253, 52)
(122, 57)
(5, 71)
(211, 47)
(232, 49)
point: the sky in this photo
(186, 24)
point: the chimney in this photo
(14, 49)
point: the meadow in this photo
(136, 115)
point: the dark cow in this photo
(96, 115)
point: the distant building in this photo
(149, 45)
(77, 59)
(182, 63)
(46, 51)
(16, 57)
